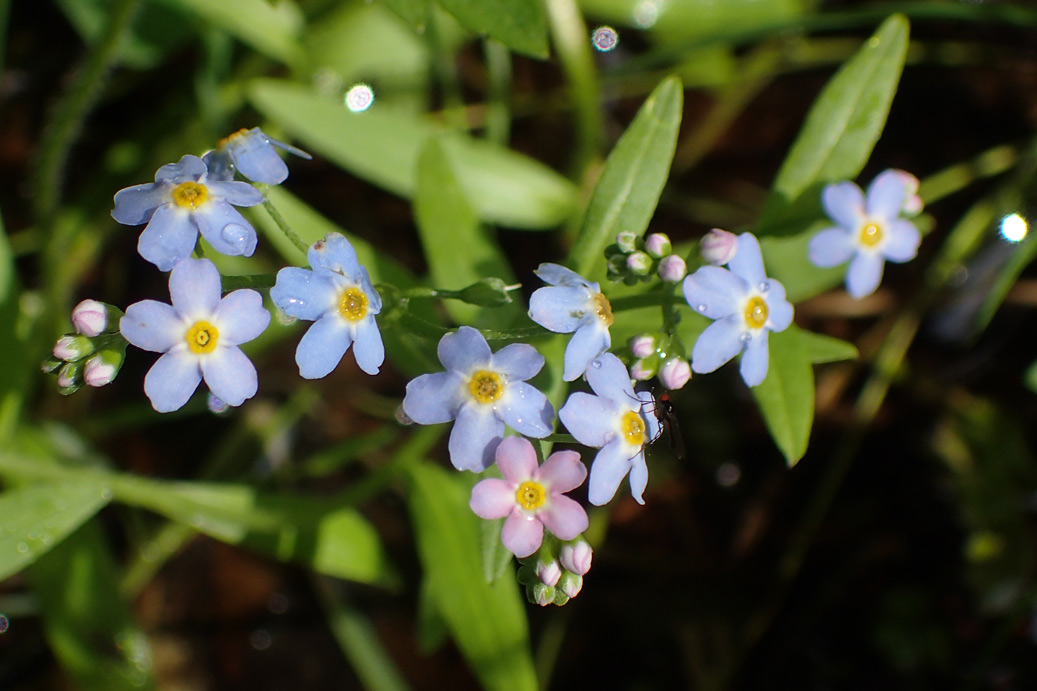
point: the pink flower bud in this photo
(576, 557)
(639, 263)
(627, 241)
(672, 269)
(90, 318)
(641, 371)
(643, 345)
(68, 376)
(543, 595)
(70, 348)
(571, 584)
(97, 372)
(658, 245)
(549, 573)
(718, 246)
(674, 373)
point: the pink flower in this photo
(531, 496)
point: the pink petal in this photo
(493, 498)
(563, 472)
(564, 517)
(516, 459)
(522, 534)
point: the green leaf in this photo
(1030, 376)
(518, 24)
(1019, 256)
(273, 29)
(414, 12)
(37, 517)
(633, 178)
(820, 348)
(786, 396)
(788, 263)
(382, 145)
(840, 131)
(488, 622)
(14, 370)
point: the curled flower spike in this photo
(482, 391)
(532, 497)
(252, 153)
(338, 296)
(182, 202)
(199, 337)
(615, 421)
(571, 304)
(746, 306)
(869, 229)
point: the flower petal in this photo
(135, 205)
(171, 380)
(334, 253)
(169, 237)
(322, 346)
(831, 247)
(714, 292)
(886, 195)
(779, 310)
(522, 534)
(226, 229)
(591, 419)
(653, 428)
(464, 350)
(609, 378)
(865, 274)
(560, 309)
(844, 204)
(564, 517)
(302, 293)
(492, 498)
(526, 410)
(755, 359)
(558, 275)
(517, 362)
(748, 260)
(517, 460)
(720, 342)
(434, 398)
(230, 375)
(638, 477)
(903, 242)
(152, 325)
(562, 472)
(194, 286)
(235, 192)
(241, 317)
(590, 340)
(368, 348)
(187, 168)
(609, 468)
(255, 157)
(474, 438)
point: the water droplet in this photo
(106, 493)
(701, 308)
(236, 235)
(745, 337)
(596, 364)
(764, 286)
(605, 38)
(22, 547)
(359, 98)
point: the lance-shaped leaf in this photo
(518, 24)
(786, 396)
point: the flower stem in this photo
(283, 225)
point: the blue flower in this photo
(745, 304)
(614, 420)
(572, 304)
(869, 230)
(199, 336)
(181, 202)
(482, 390)
(254, 154)
(337, 294)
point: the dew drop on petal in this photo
(605, 38)
(235, 235)
(359, 98)
(764, 286)
(596, 364)
(701, 308)
(745, 337)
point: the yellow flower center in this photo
(202, 337)
(603, 309)
(190, 195)
(352, 304)
(756, 312)
(633, 428)
(486, 387)
(871, 234)
(530, 495)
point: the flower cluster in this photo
(93, 354)
(632, 259)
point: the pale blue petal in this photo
(865, 274)
(169, 237)
(638, 477)
(589, 341)
(464, 350)
(517, 362)
(334, 253)
(194, 286)
(780, 310)
(844, 204)
(135, 205)
(561, 310)
(434, 398)
(188, 168)
(374, 300)
(558, 275)
(720, 342)
(303, 294)
(714, 292)
(255, 157)
(230, 375)
(652, 425)
(171, 380)
(748, 260)
(526, 410)
(886, 195)
(226, 230)
(367, 346)
(474, 439)
(295, 151)
(591, 419)
(322, 347)
(753, 367)
(609, 378)
(219, 165)
(152, 325)
(903, 242)
(609, 468)
(241, 317)
(235, 192)
(831, 247)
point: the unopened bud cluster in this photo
(553, 575)
(659, 355)
(632, 259)
(94, 353)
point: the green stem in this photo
(498, 110)
(283, 225)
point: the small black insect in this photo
(667, 418)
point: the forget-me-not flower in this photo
(616, 421)
(338, 296)
(572, 304)
(746, 306)
(482, 391)
(531, 496)
(199, 337)
(869, 231)
(252, 153)
(182, 202)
